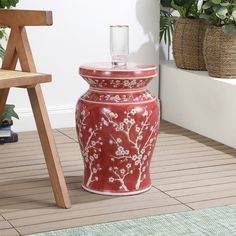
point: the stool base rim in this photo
(107, 193)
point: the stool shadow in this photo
(34, 193)
(147, 14)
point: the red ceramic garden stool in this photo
(117, 125)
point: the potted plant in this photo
(6, 134)
(8, 114)
(220, 39)
(188, 33)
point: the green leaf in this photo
(204, 16)
(5, 3)
(180, 2)
(9, 112)
(222, 12)
(234, 13)
(1, 34)
(207, 5)
(167, 22)
(227, 29)
(225, 4)
(13, 2)
(8, 3)
(166, 3)
(2, 52)
(188, 6)
(216, 1)
(216, 7)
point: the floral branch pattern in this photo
(118, 98)
(134, 133)
(117, 83)
(90, 147)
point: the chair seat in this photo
(12, 78)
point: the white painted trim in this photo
(200, 103)
(60, 117)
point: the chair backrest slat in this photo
(17, 18)
(18, 47)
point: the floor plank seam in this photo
(211, 199)
(202, 185)
(174, 198)
(94, 215)
(201, 167)
(67, 136)
(11, 225)
(177, 184)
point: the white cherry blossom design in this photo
(143, 154)
(91, 147)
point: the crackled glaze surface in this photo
(117, 126)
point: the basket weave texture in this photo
(220, 53)
(188, 41)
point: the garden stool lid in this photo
(107, 70)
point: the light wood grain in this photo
(203, 190)
(9, 232)
(188, 172)
(101, 218)
(19, 48)
(44, 128)
(194, 177)
(9, 62)
(17, 79)
(5, 225)
(93, 212)
(215, 194)
(17, 17)
(3, 99)
(213, 202)
(104, 202)
(193, 184)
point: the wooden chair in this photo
(18, 48)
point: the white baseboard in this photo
(60, 117)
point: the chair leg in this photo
(49, 147)
(3, 98)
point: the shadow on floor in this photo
(34, 193)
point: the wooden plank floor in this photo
(189, 172)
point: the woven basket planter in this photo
(188, 41)
(220, 53)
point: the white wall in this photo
(80, 34)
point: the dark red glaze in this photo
(117, 126)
